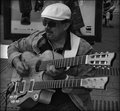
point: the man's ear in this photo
(66, 25)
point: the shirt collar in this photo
(67, 45)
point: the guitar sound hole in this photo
(37, 66)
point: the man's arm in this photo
(82, 69)
(18, 47)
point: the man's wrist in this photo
(15, 61)
(60, 77)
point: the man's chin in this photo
(49, 35)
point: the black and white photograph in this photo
(59, 55)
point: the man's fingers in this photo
(25, 66)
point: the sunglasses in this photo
(49, 23)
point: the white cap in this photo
(57, 11)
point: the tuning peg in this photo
(101, 52)
(97, 67)
(96, 53)
(105, 62)
(108, 68)
(103, 68)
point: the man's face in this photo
(53, 29)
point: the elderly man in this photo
(56, 42)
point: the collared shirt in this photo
(37, 44)
(58, 97)
(47, 45)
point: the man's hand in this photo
(21, 67)
(55, 73)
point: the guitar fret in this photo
(56, 84)
(72, 83)
(67, 61)
(68, 83)
(60, 84)
(54, 62)
(88, 82)
(81, 59)
(76, 59)
(79, 83)
(76, 83)
(60, 61)
(73, 61)
(64, 83)
(53, 85)
(57, 63)
(47, 84)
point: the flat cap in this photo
(57, 11)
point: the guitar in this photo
(97, 59)
(25, 87)
(39, 90)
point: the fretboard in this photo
(57, 84)
(59, 63)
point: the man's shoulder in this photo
(84, 46)
(82, 40)
(37, 33)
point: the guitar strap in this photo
(74, 46)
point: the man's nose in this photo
(47, 27)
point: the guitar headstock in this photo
(94, 82)
(100, 59)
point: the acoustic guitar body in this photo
(25, 92)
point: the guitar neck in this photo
(57, 84)
(59, 63)
(102, 59)
(93, 82)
